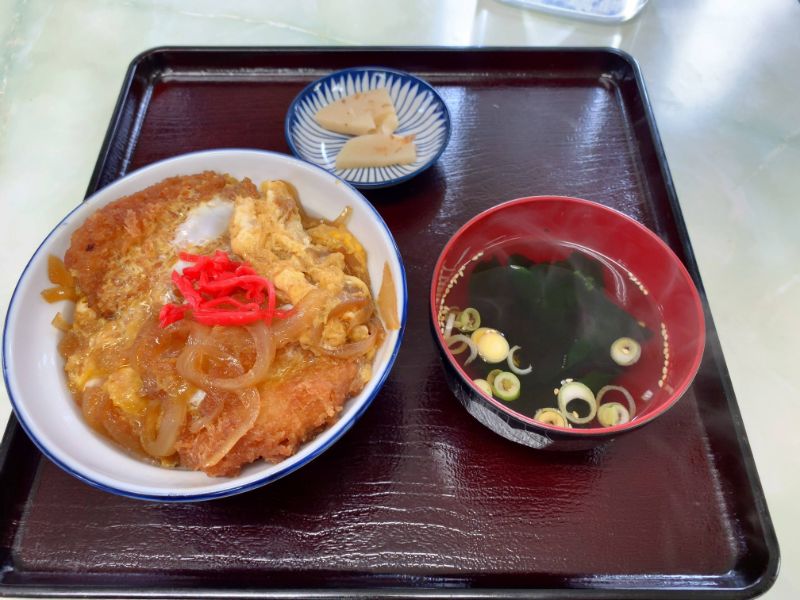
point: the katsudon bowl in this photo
(34, 370)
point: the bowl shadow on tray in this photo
(419, 197)
(485, 457)
(556, 483)
(590, 468)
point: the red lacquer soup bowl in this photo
(635, 270)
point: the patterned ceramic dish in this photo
(420, 111)
(34, 373)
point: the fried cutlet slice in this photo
(294, 408)
(116, 253)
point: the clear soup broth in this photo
(576, 316)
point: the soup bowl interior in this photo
(33, 368)
(548, 229)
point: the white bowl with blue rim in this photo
(34, 373)
(420, 111)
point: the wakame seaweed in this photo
(559, 313)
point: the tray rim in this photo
(756, 587)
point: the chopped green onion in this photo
(572, 391)
(612, 413)
(448, 328)
(468, 343)
(506, 386)
(483, 386)
(469, 320)
(462, 344)
(550, 416)
(625, 351)
(479, 333)
(513, 365)
(618, 388)
(493, 347)
(492, 374)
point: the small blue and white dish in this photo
(420, 110)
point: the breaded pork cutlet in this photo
(304, 400)
(119, 249)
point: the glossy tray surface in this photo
(418, 496)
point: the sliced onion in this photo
(199, 334)
(285, 331)
(448, 328)
(190, 361)
(387, 300)
(60, 323)
(159, 434)
(265, 354)
(343, 217)
(360, 308)
(234, 422)
(575, 390)
(623, 391)
(360, 347)
(357, 305)
(473, 347)
(208, 410)
(514, 368)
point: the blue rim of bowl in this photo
(290, 118)
(253, 484)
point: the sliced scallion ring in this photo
(448, 328)
(469, 320)
(483, 386)
(572, 391)
(493, 347)
(612, 413)
(461, 347)
(506, 386)
(513, 365)
(473, 348)
(479, 333)
(618, 388)
(550, 416)
(625, 351)
(492, 374)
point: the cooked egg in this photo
(204, 223)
